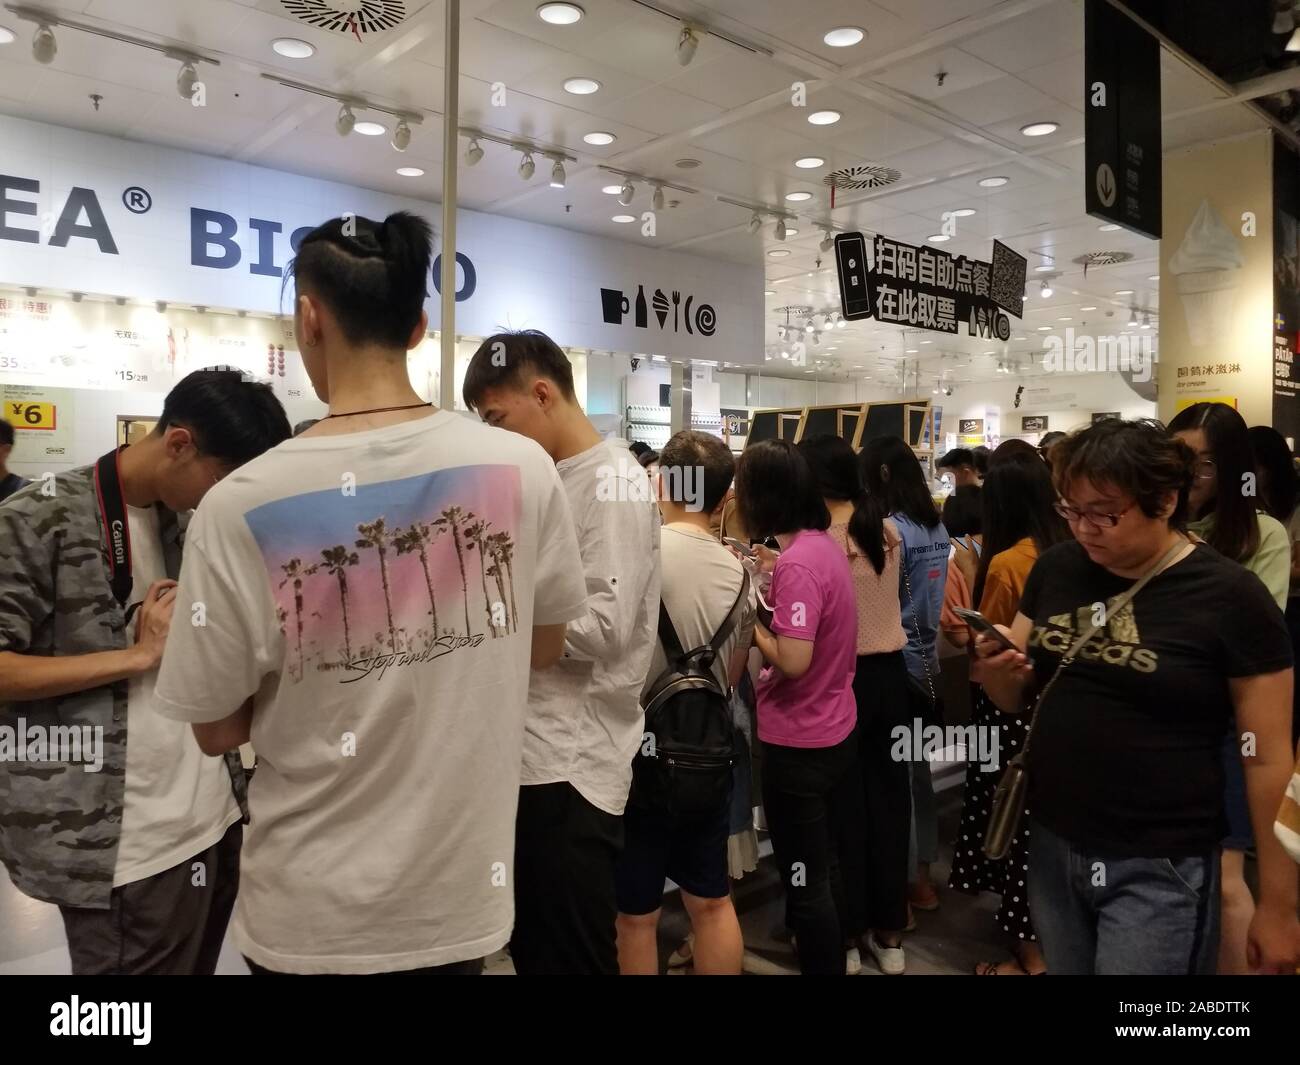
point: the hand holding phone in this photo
(739, 546)
(984, 627)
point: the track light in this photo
(809, 327)
(44, 46)
(755, 223)
(780, 229)
(829, 322)
(402, 136)
(345, 121)
(841, 324)
(627, 193)
(186, 79)
(1132, 319)
(828, 240)
(557, 175)
(1146, 320)
(658, 201)
(473, 153)
(686, 45)
(780, 332)
(527, 168)
(1045, 291)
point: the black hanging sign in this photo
(1033, 423)
(929, 289)
(1122, 145)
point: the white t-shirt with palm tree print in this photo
(377, 591)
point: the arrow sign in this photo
(1106, 185)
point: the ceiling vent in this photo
(862, 177)
(1102, 258)
(356, 17)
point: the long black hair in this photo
(1235, 533)
(904, 491)
(1279, 484)
(372, 275)
(835, 469)
(776, 491)
(1018, 501)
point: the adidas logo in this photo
(1116, 644)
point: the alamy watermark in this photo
(63, 744)
(1102, 354)
(681, 484)
(975, 744)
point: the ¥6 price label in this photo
(33, 416)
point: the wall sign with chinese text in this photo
(929, 289)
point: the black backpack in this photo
(684, 767)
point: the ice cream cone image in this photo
(1207, 267)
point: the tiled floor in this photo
(950, 940)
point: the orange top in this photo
(1005, 581)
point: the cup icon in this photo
(614, 305)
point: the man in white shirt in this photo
(584, 717)
(702, 581)
(381, 584)
(140, 850)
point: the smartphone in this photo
(983, 626)
(740, 546)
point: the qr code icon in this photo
(1007, 287)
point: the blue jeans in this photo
(1122, 916)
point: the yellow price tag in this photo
(24, 415)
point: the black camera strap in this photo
(117, 530)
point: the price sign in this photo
(28, 415)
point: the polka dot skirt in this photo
(972, 871)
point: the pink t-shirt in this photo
(812, 599)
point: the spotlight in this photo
(187, 79)
(829, 322)
(1146, 320)
(473, 153)
(527, 168)
(345, 121)
(780, 332)
(658, 201)
(809, 327)
(755, 223)
(44, 46)
(627, 193)
(1045, 291)
(780, 229)
(828, 241)
(686, 45)
(1132, 319)
(841, 324)
(557, 174)
(402, 136)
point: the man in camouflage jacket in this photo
(67, 658)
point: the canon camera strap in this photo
(112, 509)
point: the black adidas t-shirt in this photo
(1125, 757)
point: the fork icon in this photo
(677, 298)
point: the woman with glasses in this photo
(1124, 757)
(1225, 510)
(1019, 525)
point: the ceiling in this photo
(1005, 63)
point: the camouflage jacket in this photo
(60, 825)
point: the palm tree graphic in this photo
(503, 551)
(376, 535)
(418, 537)
(295, 571)
(477, 535)
(337, 560)
(452, 518)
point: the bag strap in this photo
(733, 616)
(916, 627)
(1118, 604)
(668, 631)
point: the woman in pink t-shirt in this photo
(806, 708)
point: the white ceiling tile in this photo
(1049, 32)
(920, 76)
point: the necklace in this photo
(376, 410)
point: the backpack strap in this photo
(673, 645)
(733, 618)
(668, 637)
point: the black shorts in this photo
(657, 846)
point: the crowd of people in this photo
(657, 645)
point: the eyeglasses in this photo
(1204, 469)
(1098, 521)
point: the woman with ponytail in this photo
(879, 844)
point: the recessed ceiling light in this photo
(937, 238)
(790, 231)
(623, 219)
(778, 253)
(289, 47)
(581, 86)
(963, 212)
(371, 129)
(560, 14)
(990, 353)
(687, 164)
(410, 171)
(1039, 129)
(844, 36)
(1044, 328)
(1089, 308)
(1123, 292)
(810, 162)
(600, 139)
(798, 197)
(612, 190)
(1154, 277)
(927, 341)
(769, 292)
(1109, 227)
(824, 118)
(1021, 338)
(1065, 319)
(910, 351)
(993, 182)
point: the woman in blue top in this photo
(892, 473)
